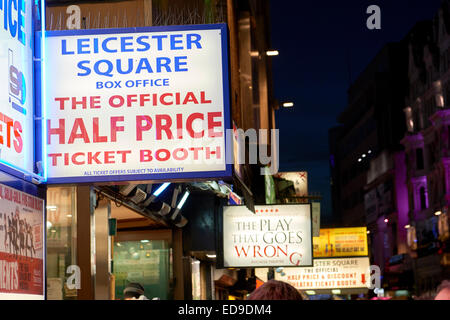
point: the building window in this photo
(423, 199)
(419, 159)
(147, 262)
(61, 241)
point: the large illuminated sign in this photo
(137, 104)
(275, 235)
(16, 88)
(343, 273)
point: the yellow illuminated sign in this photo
(341, 242)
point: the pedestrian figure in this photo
(275, 290)
(134, 291)
(443, 291)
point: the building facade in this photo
(370, 125)
(109, 222)
(400, 188)
(426, 146)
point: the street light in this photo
(336, 291)
(272, 53)
(288, 104)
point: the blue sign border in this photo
(227, 173)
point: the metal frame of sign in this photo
(6, 166)
(227, 173)
(221, 255)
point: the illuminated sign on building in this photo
(16, 95)
(135, 104)
(341, 242)
(275, 235)
(342, 273)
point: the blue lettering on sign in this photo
(160, 38)
(83, 43)
(144, 64)
(105, 42)
(179, 63)
(133, 83)
(131, 43)
(107, 68)
(14, 18)
(174, 42)
(64, 47)
(146, 45)
(81, 66)
(190, 40)
(124, 44)
(130, 66)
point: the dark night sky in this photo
(315, 40)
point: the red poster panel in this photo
(21, 245)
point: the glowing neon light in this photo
(183, 200)
(161, 189)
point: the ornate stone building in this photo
(427, 149)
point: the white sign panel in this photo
(125, 104)
(16, 85)
(275, 235)
(342, 273)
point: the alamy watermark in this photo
(374, 20)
